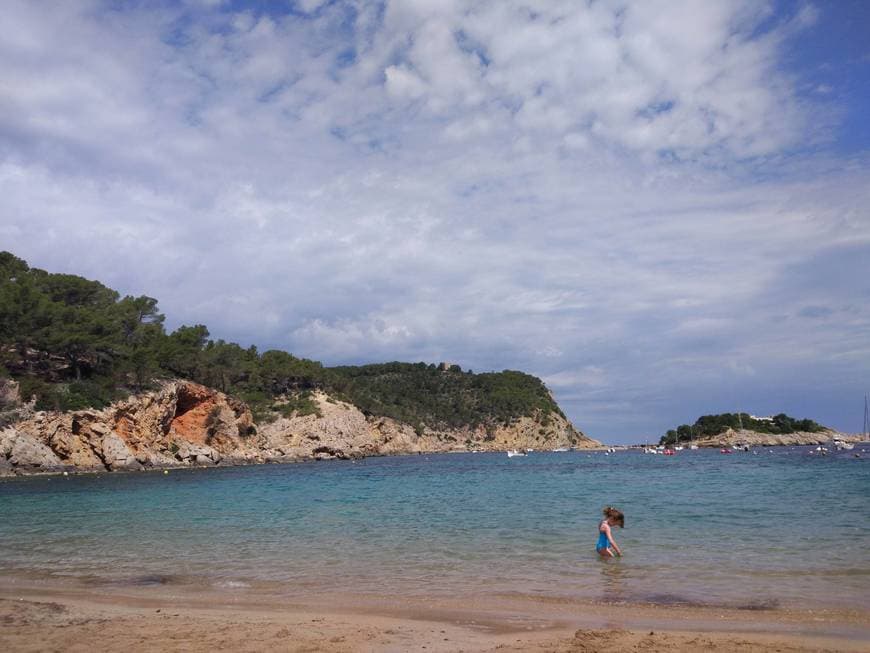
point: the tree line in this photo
(73, 343)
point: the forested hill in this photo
(75, 343)
(712, 425)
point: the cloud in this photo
(632, 201)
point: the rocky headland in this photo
(735, 437)
(184, 424)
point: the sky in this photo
(660, 208)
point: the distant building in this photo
(445, 367)
(767, 418)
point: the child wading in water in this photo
(606, 546)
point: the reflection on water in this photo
(614, 576)
(448, 525)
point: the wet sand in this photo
(65, 617)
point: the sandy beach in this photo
(57, 617)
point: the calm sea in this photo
(775, 527)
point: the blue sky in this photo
(660, 208)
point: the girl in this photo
(606, 546)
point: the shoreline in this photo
(40, 616)
(72, 471)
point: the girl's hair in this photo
(612, 513)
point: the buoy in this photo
(66, 473)
(165, 471)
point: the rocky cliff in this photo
(185, 424)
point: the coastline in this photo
(184, 424)
(241, 462)
(55, 615)
(732, 438)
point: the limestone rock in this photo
(28, 453)
(116, 454)
(343, 431)
(199, 454)
(733, 437)
(158, 459)
(7, 439)
(186, 424)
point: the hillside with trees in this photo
(712, 425)
(73, 343)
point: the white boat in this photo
(515, 452)
(839, 445)
(694, 447)
(561, 450)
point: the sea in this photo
(770, 528)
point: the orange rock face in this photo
(195, 404)
(181, 423)
(124, 429)
(185, 424)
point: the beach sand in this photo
(67, 618)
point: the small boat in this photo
(694, 447)
(515, 452)
(724, 450)
(561, 450)
(839, 445)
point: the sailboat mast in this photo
(866, 431)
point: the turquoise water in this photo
(776, 528)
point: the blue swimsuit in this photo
(602, 539)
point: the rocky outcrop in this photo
(12, 408)
(116, 454)
(21, 452)
(181, 424)
(733, 437)
(343, 431)
(186, 424)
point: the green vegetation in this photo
(420, 394)
(712, 425)
(298, 405)
(74, 343)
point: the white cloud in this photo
(606, 195)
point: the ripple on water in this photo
(699, 530)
